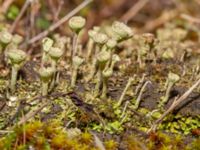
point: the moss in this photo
(86, 138)
(111, 145)
(133, 144)
(195, 145)
(180, 124)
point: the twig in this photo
(129, 83)
(134, 10)
(190, 18)
(61, 2)
(139, 86)
(24, 8)
(32, 113)
(60, 22)
(98, 142)
(35, 6)
(173, 106)
(52, 6)
(5, 131)
(165, 17)
(124, 110)
(6, 5)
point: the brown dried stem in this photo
(6, 5)
(60, 22)
(23, 10)
(134, 10)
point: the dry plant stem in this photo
(140, 84)
(6, 5)
(24, 8)
(165, 17)
(190, 18)
(124, 109)
(99, 144)
(125, 90)
(31, 114)
(60, 22)
(134, 10)
(176, 102)
(16, 143)
(34, 8)
(61, 2)
(140, 94)
(52, 6)
(6, 131)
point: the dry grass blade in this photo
(6, 5)
(23, 10)
(32, 113)
(134, 10)
(190, 18)
(164, 17)
(98, 142)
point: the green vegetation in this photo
(106, 87)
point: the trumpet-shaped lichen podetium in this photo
(102, 58)
(55, 54)
(47, 43)
(16, 58)
(5, 37)
(45, 76)
(171, 81)
(121, 31)
(76, 24)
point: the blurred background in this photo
(143, 15)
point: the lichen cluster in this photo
(113, 77)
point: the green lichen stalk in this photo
(102, 58)
(172, 79)
(16, 58)
(107, 73)
(47, 43)
(76, 23)
(45, 76)
(77, 61)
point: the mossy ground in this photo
(180, 128)
(83, 121)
